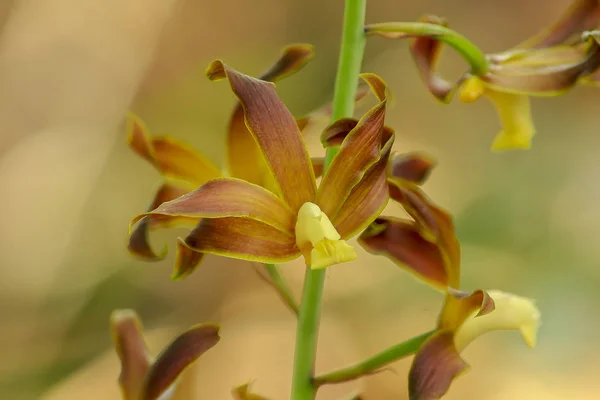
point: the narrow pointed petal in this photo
(243, 393)
(369, 197)
(435, 366)
(179, 355)
(511, 312)
(139, 240)
(229, 197)
(433, 223)
(426, 52)
(244, 158)
(411, 167)
(186, 260)
(361, 149)
(400, 241)
(581, 16)
(127, 334)
(276, 133)
(293, 58)
(460, 306)
(242, 238)
(544, 79)
(172, 158)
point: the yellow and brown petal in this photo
(238, 219)
(244, 159)
(142, 376)
(426, 246)
(549, 64)
(464, 318)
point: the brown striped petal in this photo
(582, 15)
(276, 133)
(243, 154)
(426, 52)
(235, 237)
(229, 197)
(400, 241)
(127, 334)
(176, 357)
(435, 366)
(411, 167)
(433, 223)
(172, 158)
(544, 79)
(369, 197)
(139, 240)
(361, 149)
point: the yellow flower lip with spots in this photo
(319, 241)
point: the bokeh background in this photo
(529, 222)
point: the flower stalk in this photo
(463, 46)
(376, 362)
(350, 61)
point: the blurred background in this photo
(529, 222)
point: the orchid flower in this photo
(239, 219)
(183, 168)
(144, 377)
(549, 64)
(428, 248)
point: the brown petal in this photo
(434, 224)
(369, 197)
(582, 15)
(335, 133)
(179, 355)
(461, 305)
(543, 79)
(360, 150)
(243, 154)
(426, 52)
(139, 240)
(242, 238)
(172, 158)
(127, 335)
(434, 368)
(229, 197)
(276, 133)
(243, 393)
(400, 241)
(411, 167)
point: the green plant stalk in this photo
(376, 362)
(351, 54)
(471, 53)
(283, 290)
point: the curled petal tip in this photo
(216, 70)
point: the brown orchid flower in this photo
(427, 247)
(183, 168)
(549, 64)
(238, 219)
(144, 377)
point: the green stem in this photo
(471, 53)
(283, 290)
(375, 362)
(351, 54)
